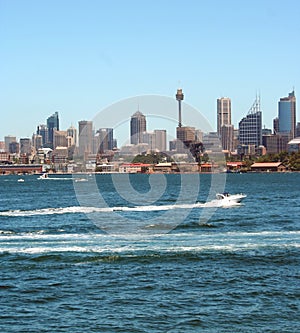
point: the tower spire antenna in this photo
(179, 98)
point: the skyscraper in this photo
(224, 127)
(287, 115)
(223, 113)
(161, 139)
(250, 127)
(25, 146)
(227, 134)
(8, 140)
(52, 124)
(104, 140)
(85, 137)
(60, 139)
(43, 131)
(37, 141)
(137, 127)
(298, 130)
(72, 135)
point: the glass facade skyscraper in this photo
(52, 125)
(287, 115)
(42, 130)
(250, 127)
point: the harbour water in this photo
(238, 271)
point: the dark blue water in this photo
(182, 267)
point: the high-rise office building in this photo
(227, 134)
(72, 135)
(224, 126)
(25, 146)
(183, 135)
(14, 148)
(104, 140)
(212, 143)
(275, 125)
(160, 140)
(37, 141)
(52, 125)
(43, 131)
(250, 127)
(287, 115)
(60, 139)
(150, 139)
(85, 137)
(298, 130)
(223, 113)
(8, 140)
(186, 133)
(137, 127)
(275, 143)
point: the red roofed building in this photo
(268, 167)
(134, 167)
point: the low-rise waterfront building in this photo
(268, 167)
(235, 166)
(134, 167)
(20, 168)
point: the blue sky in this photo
(78, 57)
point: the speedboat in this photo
(230, 198)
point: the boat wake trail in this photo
(88, 210)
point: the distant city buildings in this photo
(104, 140)
(59, 148)
(284, 126)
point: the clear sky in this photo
(78, 57)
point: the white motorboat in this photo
(43, 176)
(230, 198)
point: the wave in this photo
(88, 210)
(255, 250)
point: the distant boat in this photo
(230, 198)
(21, 180)
(43, 176)
(81, 180)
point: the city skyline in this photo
(99, 53)
(221, 102)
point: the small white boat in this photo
(21, 180)
(230, 198)
(43, 176)
(81, 180)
